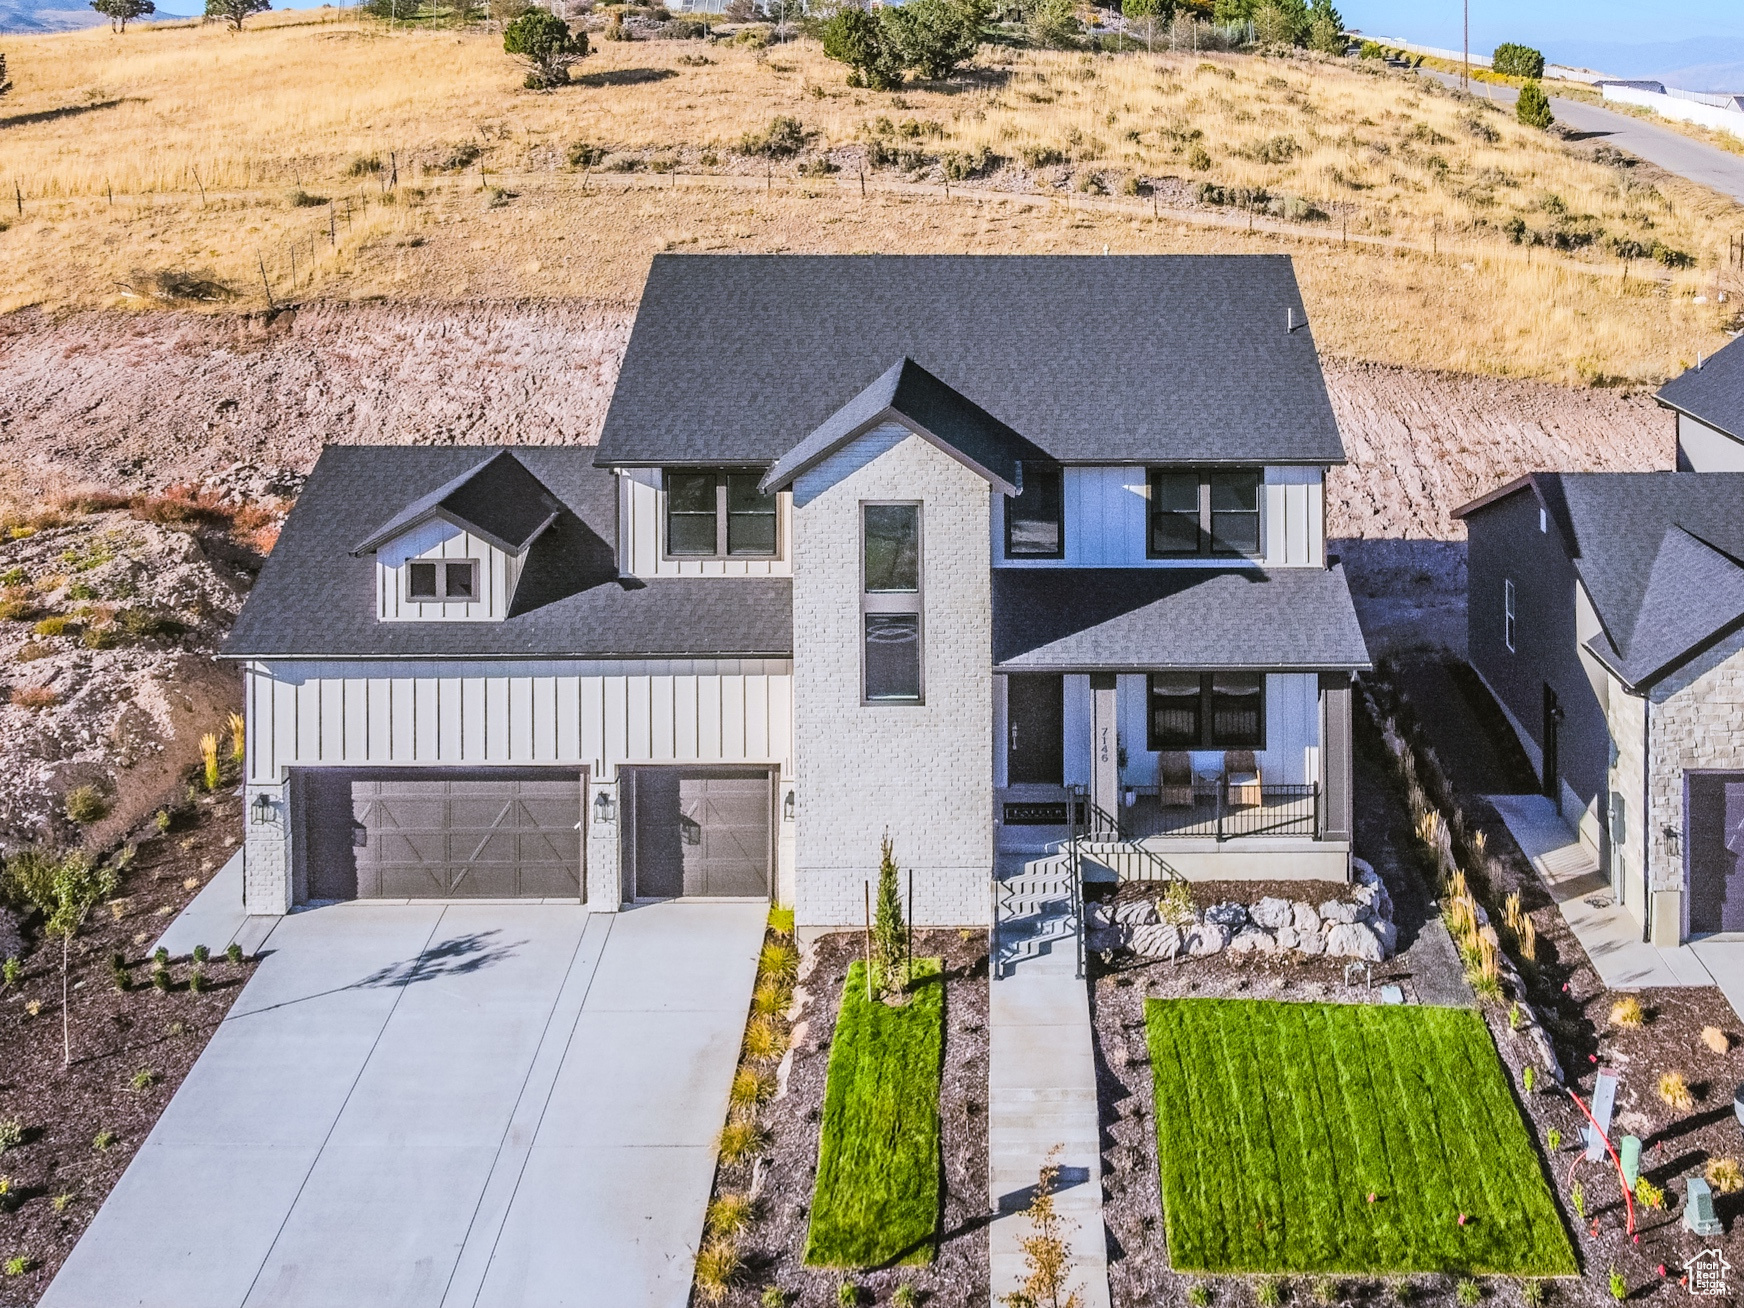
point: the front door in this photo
(1552, 779)
(1035, 729)
(1714, 836)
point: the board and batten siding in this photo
(498, 571)
(642, 531)
(1106, 525)
(598, 714)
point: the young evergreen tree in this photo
(1533, 108)
(543, 43)
(872, 49)
(889, 932)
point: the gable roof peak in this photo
(497, 499)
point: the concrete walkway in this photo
(1606, 931)
(442, 1105)
(1042, 1079)
(214, 918)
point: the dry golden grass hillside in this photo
(319, 156)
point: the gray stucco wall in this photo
(922, 772)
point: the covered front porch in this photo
(1200, 729)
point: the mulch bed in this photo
(1565, 992)
(115, 1035)
(773, 1248)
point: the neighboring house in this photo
(1709, 403)
(951, 549)
(1606, 614)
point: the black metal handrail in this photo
(1282, 811)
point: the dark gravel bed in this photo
(773, 1248)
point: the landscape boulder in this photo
(1312, 943)
(1336, 910)
(1353, 940)
(1138, 912)
(1154, 940)
(1272, 913)
(1387, 934)
(1305, 918)
(1097, 916)
(1363, 872)
(1206, 938)
(1107, 939)
(1231, 915)
(1290, 938)
(1252, 940)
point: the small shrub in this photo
(81, 590)
(1619, 1287)
(143, 1079)
(1041, 156)
(847, 1294)
(62, 1201)
(18, 1264)
(33, 650)
(201, 954)
(1716, 1040)
(1268, 1292)
(10, 971)
(1175, 904)
(1533, 107)
(233, 952)
(739, 1140)
(98, 638)
(209, 758)
(750, 1088)
(1577, 1200)
(1627, 1013)
(583, 155)
(717, 1267)
(11, 1133)
(144, 624)
(160, 980)
(1528, 1077)
(777, 960)
(729, 1214)
(906, 1297)
(14, 576)
(768, 999)
(1272, 150)
(763, 1040)
(120, 973)
(1513, 60)
(35, 697)
(160, 956)
(1675, 1092)
(960, 165)
(298, 198)
(54, 626)
(1553, 1139)
(1325, 1290)
(161, 820)
(1532, 1292)
(1467, 1292)
(773, 1297)
(782, 139)
(1672, 258)
(364, 165)
(196, 981)
(1724, 1175)
(1198, 1295)
(86, 804)
(102, 1140)
(1647, 1194)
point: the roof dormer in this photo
(457, 554)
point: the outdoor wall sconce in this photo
(787, 807)
(261, 809)
(604, 810)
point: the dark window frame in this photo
(887, 603)
(1059, 551)
(724, 515)
(440, 572)
(1208, 515)
(1206, 711)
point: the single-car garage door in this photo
(1714, 812)
(700, 831)
(442, 834)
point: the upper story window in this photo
(442, 581)
(1207, 710)
(890, 604)
(1035, 519)
(1197, 512)
(713, 513)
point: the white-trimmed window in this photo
(891, 660)
(442, 581)
(1508, 613)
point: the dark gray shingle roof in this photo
(1126, 359)
(1713, 393)
(316, 599)
(496, 499)
(1093, 618)
(909, 394)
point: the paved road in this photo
(1672, 151)
(480, 1106)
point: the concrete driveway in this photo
(481, 1105)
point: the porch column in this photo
(1104, 743)
(1335, 756)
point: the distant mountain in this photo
(1699, 64)
(53, 16)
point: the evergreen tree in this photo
(236, 12)
(871, 49)
(889, 933)
(542, 41)
(1533, 108)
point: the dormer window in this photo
(448, 581)
(716, 513)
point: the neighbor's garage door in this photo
(444, 834)
(1715, 816)
(701, 831)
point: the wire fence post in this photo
(867, 887)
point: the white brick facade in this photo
(922, 772)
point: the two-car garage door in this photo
(487, 834)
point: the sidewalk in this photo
(214, 918)
(1610, 937)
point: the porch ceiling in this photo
(1110, 619)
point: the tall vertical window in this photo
(716, 514)
(890, 603)
(1508, 613)
(1035, 522)
(1195, 513)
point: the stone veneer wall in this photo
(924, 772)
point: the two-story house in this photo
(1605, 612)
(954, 549)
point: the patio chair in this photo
(1241, 778)
(1175, 779)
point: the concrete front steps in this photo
(1042, 1076)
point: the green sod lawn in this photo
(1276, 1121)
(878, 1179)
